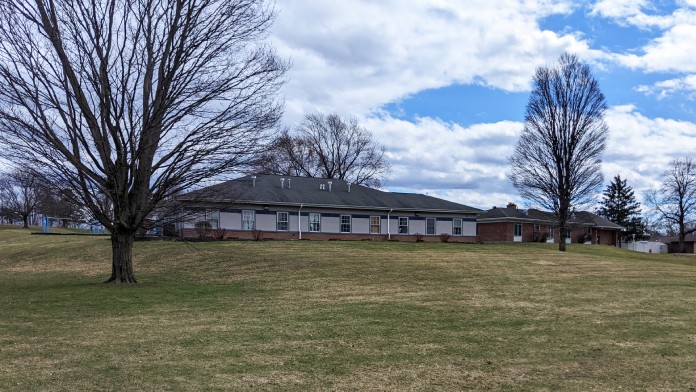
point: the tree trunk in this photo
(562, 241)
(25, 220)
(122, 258)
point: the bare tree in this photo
(675, 201)
(556, 162)
(20, 192)
(328, 146)
(56, 202)
(128, 102)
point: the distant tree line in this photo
(26, 196)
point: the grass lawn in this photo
(298, 315)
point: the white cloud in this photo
(630, 12)
(671, 51)
(462, 164)
(669, 87)
(354, 56)
(640, 148)
(468, 165)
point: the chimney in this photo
(349, 187)
(253, 180)
(329, 185)
(512, 205)
(282, 183)
(288, 183)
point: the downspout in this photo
(299, 221)
(389, 224)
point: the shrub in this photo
(444, 237)
(582, 238)
(419, 237)
(203, 228)
(219, 234)
(544, 236)
(257, 235)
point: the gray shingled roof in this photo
(668, 239)
(517, 214)
(307, 191)
(596, 220)
(532, 215)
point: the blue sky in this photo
(444, 84)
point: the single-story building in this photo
(673, 243)
(286, 207)
(511, 224)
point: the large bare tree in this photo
(675, 200)
(328, 146)
(128, 102)
(20, 193)
(556, 162)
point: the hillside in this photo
(298, 315)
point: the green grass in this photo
(298, 315)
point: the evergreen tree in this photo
(619, 205)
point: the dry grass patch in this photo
(306, 315)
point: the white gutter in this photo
(389, 224)
(299, 220)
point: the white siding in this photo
(361, 225)
(416, 226)
(330, 220)
(393, 224)
(266, 222)
(468, 228)
(443, 227)
(231, 220)
(330, 224)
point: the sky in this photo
(443, 84)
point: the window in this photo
(345, 223)
(537, 228)
(282, 221)
(213, 223)
(457, 226)
(430, 226)
(213, 217)
(248, 220)
(374, 225)
(403, 225)
(314, 221)
(518, 230)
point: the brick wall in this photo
(606, 237)
(495, 231)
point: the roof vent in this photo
(288, 183)
(321, 187)
(349, 184)
(253, 180)
(282, 183)
(329, 185)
